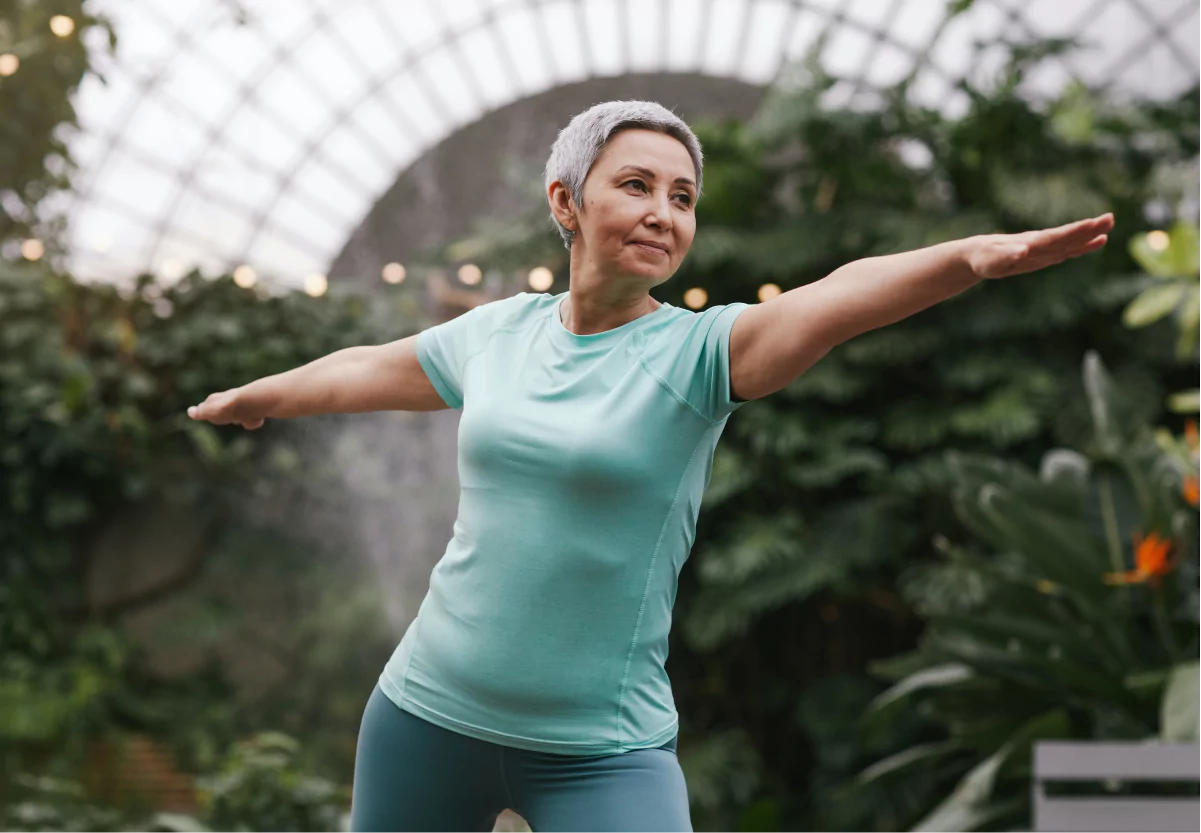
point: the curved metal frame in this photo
(376, 86)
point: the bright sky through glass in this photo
(218, 141)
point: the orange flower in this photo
(1151, 561)
(1192, 490)
(1190, 433)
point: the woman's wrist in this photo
(964, 257)
(254, 400)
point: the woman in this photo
(533, 675)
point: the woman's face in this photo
(641, 190)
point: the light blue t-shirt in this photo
(582, 463)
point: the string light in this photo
(540, 279)
(62, 25)
(470, 274)
(9, 63)
(316, 285)
(1158, 240)
(768, 291)
(245, 276)
(172, 268)
(393, 273)
(696, 297)
(32, 249)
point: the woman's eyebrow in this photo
(649, 174)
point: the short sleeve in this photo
(444, 349)
(694, 360)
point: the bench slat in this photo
(1067, 761)
(1117, 814)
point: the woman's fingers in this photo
(1042, 259)
(214, 409)
(1073, 235)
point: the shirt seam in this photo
(504, 777)
(511, 328)
(504, 328)
(647, 585)
(436, 376)
(674, 393)
(404, 680)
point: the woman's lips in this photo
(654, 249)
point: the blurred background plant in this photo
(1070, 612)
(882, 512)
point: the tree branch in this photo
(145, 596)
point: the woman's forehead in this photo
(648, 149)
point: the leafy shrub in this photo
(1072, 614)
(262, 786)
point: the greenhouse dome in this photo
(267, 133)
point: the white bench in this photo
(1091, 761)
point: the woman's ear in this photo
(560, 205)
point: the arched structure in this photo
(265, 132)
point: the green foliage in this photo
(94, 384)
(1172, 261)
(45, 803)
(722, 770)
(1042, 644)
(261, 783)
(36, 103)
(262, 786)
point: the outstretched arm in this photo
(386, 377)
(773, 343)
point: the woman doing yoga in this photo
(533, 676)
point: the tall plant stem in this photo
(1111, 531)
(1163, 628)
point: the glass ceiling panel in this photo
(457, 90)
(321, 186)
(846, 51)
(645, 36)
(265, 130)
(683, 32)
(807, 24)
(214, 220)
(724, 24)
(603, 26)
(1186, 36)
(486, 63)
(766, 30)
(459, 15)
(888, 66)
(515, 27)
(566, 40)
(915, 24)
(423, 107)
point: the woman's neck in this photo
(585, 315)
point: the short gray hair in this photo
(585, 136)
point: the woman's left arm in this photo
(774, 342)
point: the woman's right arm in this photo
(385, 377)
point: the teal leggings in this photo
(410, 774)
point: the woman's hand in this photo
(222, 409)
(1002, 255)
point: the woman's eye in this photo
(686, 197)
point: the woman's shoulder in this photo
(513, 310)
(676, 321)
